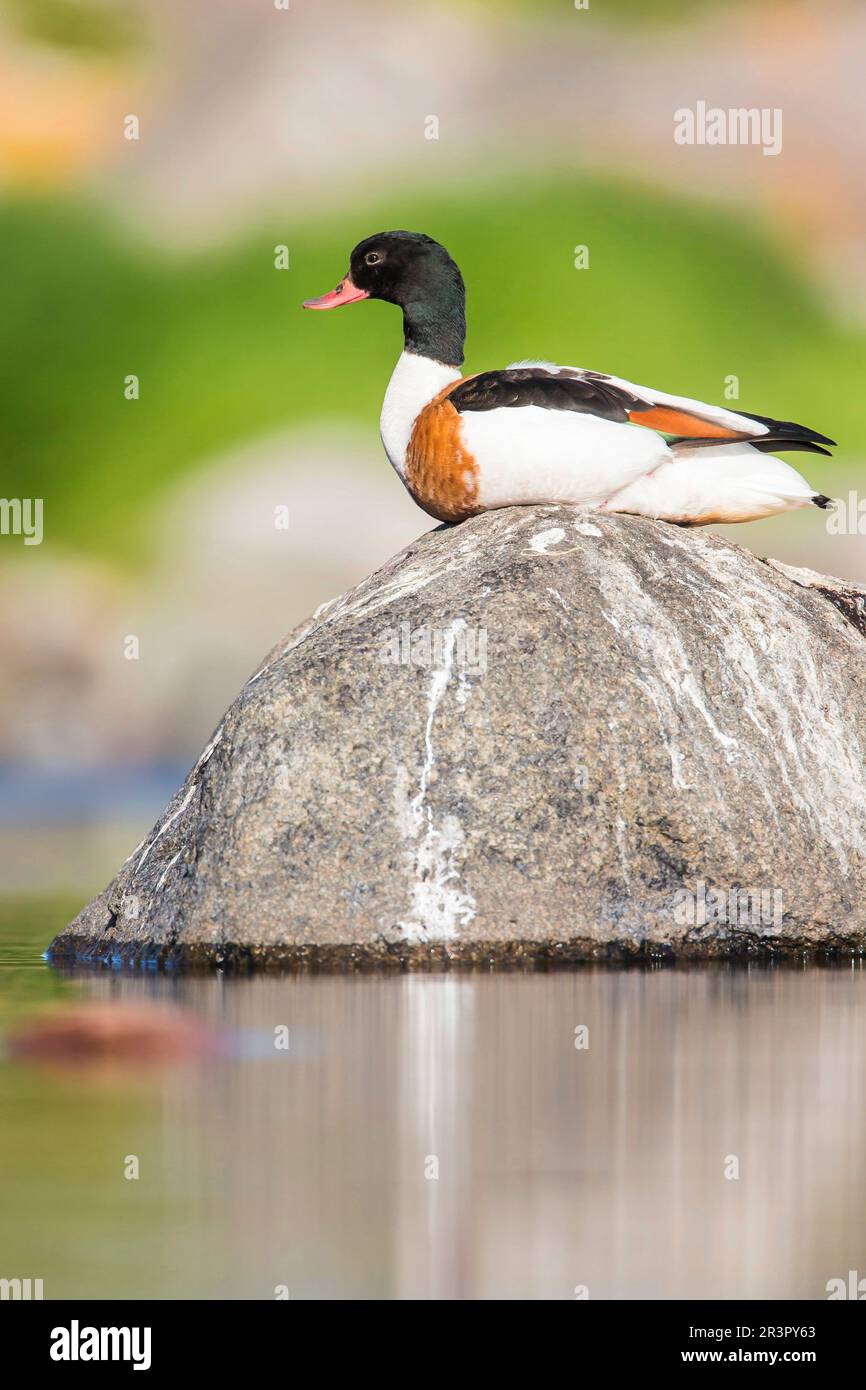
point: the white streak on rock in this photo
(795, 706)
(619, 827)
(560, 600)
(439, 905)
(166, 823)
(205, 757)
(543, 540)
(662, 669)
(164, 874)
(770, 673)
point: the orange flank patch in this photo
(441, 474)
(668, 420)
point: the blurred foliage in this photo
(628, 11)
(107, 27)
(102, 28)
(677, 296)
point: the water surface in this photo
(440, 1135)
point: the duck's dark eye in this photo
(372, 258)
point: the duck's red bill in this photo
(345, 293)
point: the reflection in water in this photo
(129, 1036)
(434, 1136)
(436, 1092)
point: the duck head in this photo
(413, 271)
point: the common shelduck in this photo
(537, 432)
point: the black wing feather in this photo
(787, 429)
(519, 386)
(786, 444)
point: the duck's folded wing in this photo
(694, 424)
(550, 388)
(690, 423)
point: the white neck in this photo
(414, 382)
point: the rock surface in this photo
(540, 734)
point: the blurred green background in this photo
(307, 128)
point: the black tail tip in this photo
(820, 500)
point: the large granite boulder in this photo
(542, 733)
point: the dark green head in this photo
(415, 272)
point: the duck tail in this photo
(788, 436)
